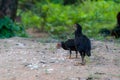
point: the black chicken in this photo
(82, 43)
(68, 45)
(118, 18)
(114, 32)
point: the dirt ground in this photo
(29, 59)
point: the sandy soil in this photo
(29, 59)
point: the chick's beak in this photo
(58, 45)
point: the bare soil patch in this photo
(29, 59)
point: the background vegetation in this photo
(56, 17)
(9, 29)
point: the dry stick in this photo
(107, 48)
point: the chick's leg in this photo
(70, 54)
(76, 54)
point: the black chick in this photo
(68, 45)
(82, 43)
(105, 32)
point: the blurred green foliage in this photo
(9, 29)
(57, 19)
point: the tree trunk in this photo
(9, 8)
